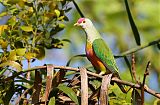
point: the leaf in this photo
(12, 21)
(133, 25)
(40, 52)
(12, 55)
(3, 14)
(21, 51)
(61, 25)
(4, 44)
(2, 28)
(29, 55)
(66, 40)
(57, 12)
(136, 98)
(68, 9)
(52, 101)
(2, 71)
(69, 92)
(27, 28)
(12, 64)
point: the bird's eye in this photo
(84, 21)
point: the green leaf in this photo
(12, 55)
(61, 25)
(27, 28)
(133, 25)
(57, 12)
(52, 101)
(3, 14)
(12, 21)
(12, 64)
(20, 51)
(66, 40)
(40, 52)
(2, 71)
(69, 92)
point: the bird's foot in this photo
(101, 73)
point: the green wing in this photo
(104, 53)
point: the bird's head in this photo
(83, 22)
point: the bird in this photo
(97, 51)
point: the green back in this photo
(104, 53)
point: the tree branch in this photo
(138, 48)
(143, 83)
(114, 79)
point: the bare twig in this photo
(84, 86)
(144, 78)
(114, 79)
(133, 68)
(104, 89)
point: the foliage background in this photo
(110, 19)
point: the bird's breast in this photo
(96, 62)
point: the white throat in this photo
(92, 33)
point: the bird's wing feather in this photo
(104, 53)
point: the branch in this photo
(133, 68)
(138, 48)
(84, 86)
(144, 79)
(114, 79)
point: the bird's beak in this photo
(76, 24)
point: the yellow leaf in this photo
(40, 52)
(20, 51)
(30, 9)
(61, 25)
(12, 64)
(4, 44)
(29, 55)
(12, 55)
(2, 28)
(27, 28)
(57, 12)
